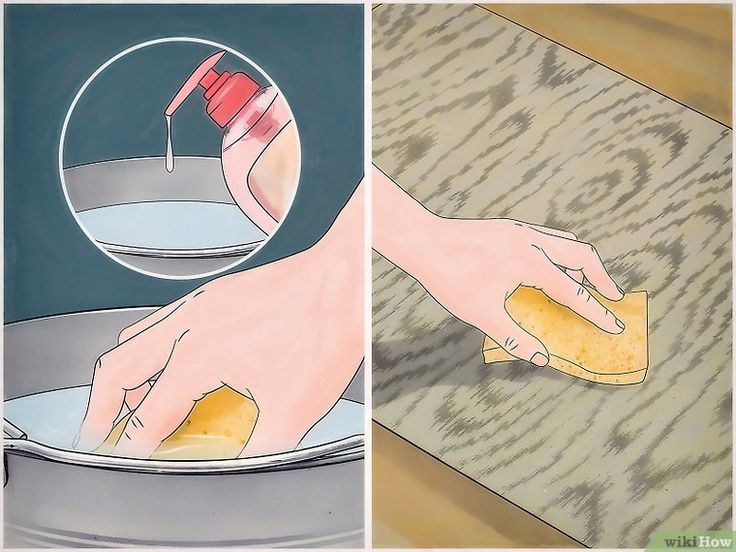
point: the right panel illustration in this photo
(552, 275)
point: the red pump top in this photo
(226, 93)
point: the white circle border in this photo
(84, 87)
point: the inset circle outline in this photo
(84, 87)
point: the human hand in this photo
(290, 333)
(484, 261)
(473, 266)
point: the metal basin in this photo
(137, 181)
(311, 497)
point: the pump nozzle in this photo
(226, 94)
(192, 82)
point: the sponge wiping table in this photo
(577, 347)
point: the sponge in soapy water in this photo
(218, 427)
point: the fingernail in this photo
(618, 287)
(620, 324)
(540, 359)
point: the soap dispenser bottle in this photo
(260, 147)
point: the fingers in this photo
(561, 288)
(134, 397)
(514, 339)
(154, 318)
(163, 410)
(576, 275)
(575, 255)
(122, 369)
(553, 231)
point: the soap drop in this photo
(169, 147)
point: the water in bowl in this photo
(53, 418)
(171, 225)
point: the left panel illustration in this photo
(184, 302)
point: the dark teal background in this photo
(314, 54)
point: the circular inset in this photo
(194, 202)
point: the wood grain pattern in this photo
(478, 117)
(418, 502)
(683, 51)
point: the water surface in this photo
(53, 418)
(171, 225)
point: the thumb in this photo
(514, 339)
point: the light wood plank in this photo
(418, 502)
(681, 50)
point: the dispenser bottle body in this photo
(260, 158)
(260, 146)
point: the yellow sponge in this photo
(218, 427)
(577, 347)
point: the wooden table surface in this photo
(681, 50)
(478, 117)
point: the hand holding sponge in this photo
(577, 347)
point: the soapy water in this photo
(181, 225)
(53, 418)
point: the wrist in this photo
(403, 229)
(345, 238)
(414, 239)
(337, 267)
